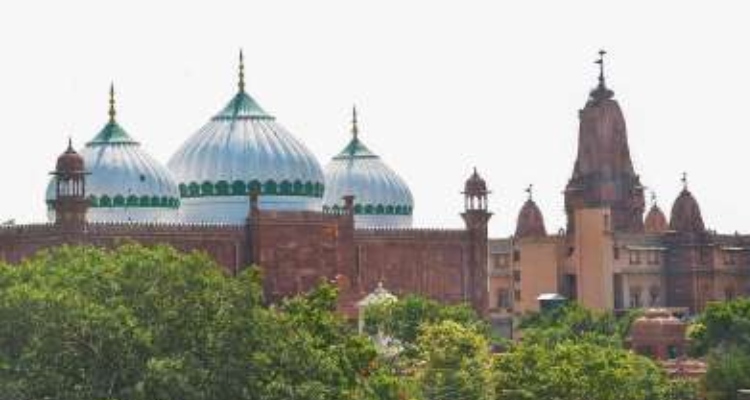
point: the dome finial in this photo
(112, 111)
(355, 127)
(530, 191)
(70, 144)
(601, 92)
(600, 61)
(653, 198)
(241, 83)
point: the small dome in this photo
(656, 221)
(686, 214)
(530, 221)
(475, 185)
(381, 197)
(124, 183)
(243, 149)
(70, 162)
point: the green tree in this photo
(574, 371)
(154, 324)
(574, 322)
(722, 324)
(728, 371)
(404, 319)
(456, 362)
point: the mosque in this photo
(246, 191)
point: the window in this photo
(652, 257)
(517, 276)
(729, 258)
(653, 293)
(503, 299)
(729, 293)
(616, 252)
(635, 297)
(516, 255)
(517, 295)
(635, 257)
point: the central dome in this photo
(242, 149)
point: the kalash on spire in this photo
(603, 174)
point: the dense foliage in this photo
(722, 333)
(154, 324)
(138, 323)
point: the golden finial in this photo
(355, 128)
(530, 191)
(112, 111)
(242, 72)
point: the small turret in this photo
(70, 203)
(656, 221)
(476, 218)
(686, 213)
(530, 221)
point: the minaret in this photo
(70, 201)
(476, 216)
(603, 175)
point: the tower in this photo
(70, 202)
(476, 216)
(603, 175)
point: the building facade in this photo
(610, 257)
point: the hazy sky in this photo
(441, 87)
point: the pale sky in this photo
(441, 87)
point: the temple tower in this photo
(603, 175)
(70, 203)
(476, 216)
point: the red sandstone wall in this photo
(431, 263)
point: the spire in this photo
(530, 191)
(355, 128)
(653, 198)
(241, 83)
(601, 92)
(70, 145)
(112, 111)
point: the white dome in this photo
(381, 197)
(240, 150)
(124, 183)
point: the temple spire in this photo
(530, 191)
(112, 111)
(241, 83)
(653, 198)
(355, 127)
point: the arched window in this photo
(132, 200)
(286, 188)
(194, 189)
(269, 187)
(222, 188)
(93, 201)
(309, 189)
(239, 188)
(255, 186)
(183, 190)
(119, 201)
(105, 201)
(144, 201)
(379, 209)
(207, 189)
